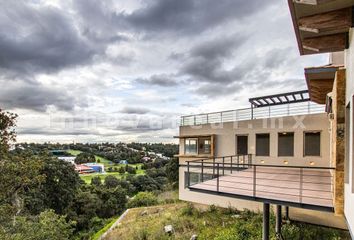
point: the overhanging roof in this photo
(278, 99)
(321, 25)
(320, 82)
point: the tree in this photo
(172, 170)
(143, 199)
(47, 225)
(130, 169)
(57, 190)
(111, 182)
(121, 170)
(7, 130)
(85, 157)
(96, 181)
(18, 172)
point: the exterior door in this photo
(242, 145)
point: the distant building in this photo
(123, 162)
(97, 167)
(82, 169)
(146, 159)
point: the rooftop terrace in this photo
(279, 105)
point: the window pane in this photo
(262, 144)
(190, 146)
(312, 144)
(286, 144)
(242, 145)
(204, 146)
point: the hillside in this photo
(208, 223)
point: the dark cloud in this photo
(162, 80)
(188, 16)
(40, 39)
(135, 110)
(17, 94)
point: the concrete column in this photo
(265, 221)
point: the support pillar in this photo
(287, 213)
(278, 220)
(265, 221)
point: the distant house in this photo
(82, 169)
(97, 167)
(146, 159)
(123, 162)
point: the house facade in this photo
(293, 151)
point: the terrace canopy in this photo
(321, 25)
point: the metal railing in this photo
(291, 109)
(237, 175)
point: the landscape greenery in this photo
(42, 197)
(208, 223)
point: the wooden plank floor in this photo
(277, 184)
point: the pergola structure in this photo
(278, 99)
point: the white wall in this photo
(349, 187)
(226, 137)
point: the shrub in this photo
(188, 210)
(143, 199)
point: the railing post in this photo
(308, 107)
(269, 111)
(188, 175)
(231, 165)
(288, 109)
(244, 161)
(195, 120)
(301, 183)
(207, 118)
(238, 162)
(223, 166)
(217, 178)
(254, 180)
(202, 177)
(213, 167)
(221, 117)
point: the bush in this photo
(143, 199)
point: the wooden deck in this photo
(311, 186)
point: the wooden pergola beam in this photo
(334, 20)
(328, 43)
(312, 2)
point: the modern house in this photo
(293, 150)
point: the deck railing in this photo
(238, 175)
(291, 109)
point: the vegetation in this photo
(168, 150)
(209, 223)
(42, 197)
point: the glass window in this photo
(286, 144)
(312, 145)
(190, 146)
(262, 144)
(204, 146)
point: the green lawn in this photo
(87, 177)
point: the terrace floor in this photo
(311, 187)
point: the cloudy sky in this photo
(125, 70)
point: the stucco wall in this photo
(226, 137)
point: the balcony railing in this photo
(236, 176)
(291, 109)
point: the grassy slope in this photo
(213, 223)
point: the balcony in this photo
(280, 105)
(236, 176)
